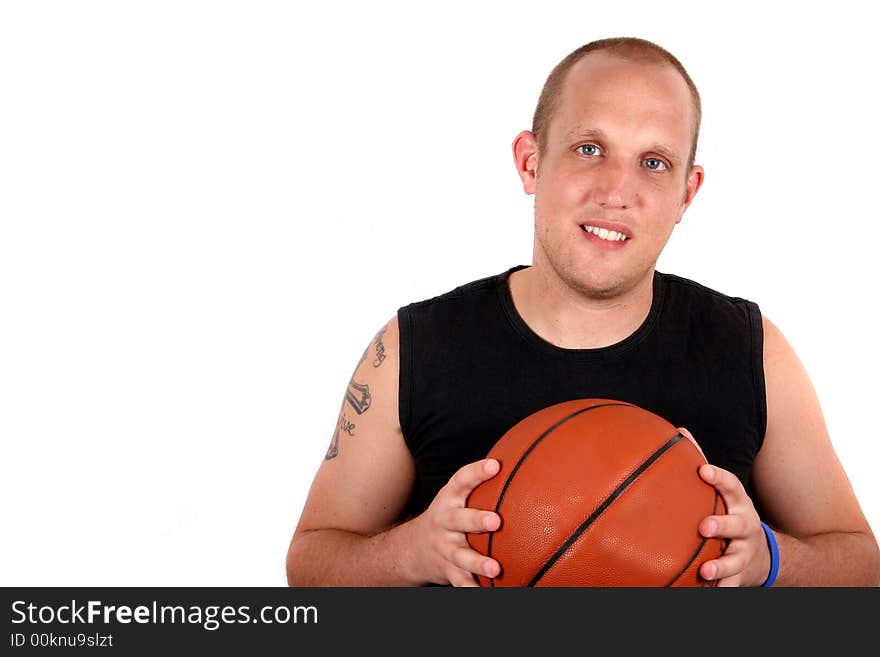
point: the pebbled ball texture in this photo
(597, 492)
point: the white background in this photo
(207, 209)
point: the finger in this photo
(470, 476)
(730, 582)
(726, 483)
(725, 526)
(473, 521)
(461, 578)
(723, 567)
(687, 434)
(474, 562)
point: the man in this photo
(610, 162)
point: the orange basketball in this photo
(597, 492)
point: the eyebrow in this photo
(577, 134)
(580, 133)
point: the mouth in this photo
(606, 237)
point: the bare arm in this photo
(345, 535)
(803, 491)
(361, 487)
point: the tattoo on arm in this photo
(380, 348)
(333, 450)
(346, 425)
(357, 396)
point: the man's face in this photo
(615, 159)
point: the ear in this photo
(694, 181)
(525, 157)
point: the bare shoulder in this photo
(366, 476)
(798, 479)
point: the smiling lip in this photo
(610, 225)
(607, 245)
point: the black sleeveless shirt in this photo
(471, 368)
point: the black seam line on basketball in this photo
(699, 548)
(608, 500)
(529, 451)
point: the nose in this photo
(615, 185)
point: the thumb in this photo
(687, 434)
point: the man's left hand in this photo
(746, 562)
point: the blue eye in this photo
(588, 149)
(655, 165)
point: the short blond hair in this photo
(628, 48)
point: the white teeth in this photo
(605, 234)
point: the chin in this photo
(595, 286)
(605, 284)
(594, 278)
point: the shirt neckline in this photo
(519, 325)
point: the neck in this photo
(567, 318)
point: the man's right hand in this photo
(443, 555)
(347, 534)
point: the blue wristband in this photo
(774, 555)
